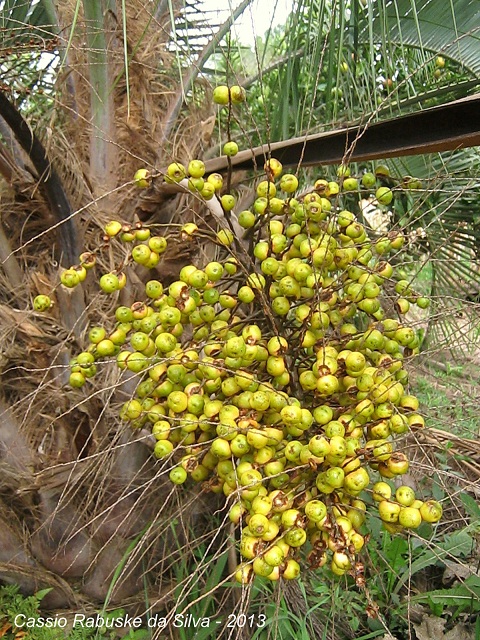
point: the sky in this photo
(255, 20)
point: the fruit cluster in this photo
(275, 378)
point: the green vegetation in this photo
(449, 399)
(23, 615)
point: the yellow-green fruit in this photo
(230, 148)
(42, 303)
(295, 537)
(410, 518)
(246, 219)
(237, 94)
(196, 168)
(249, 546)
(291, 570)
(381, 491)
(289, 183)
(163, 448)
(142, 178)
(228, 202)
(70, 278)
(225, 237)
(77, 379)
(388, 511)
(88, 260)
(405, 496)
(244, 574)
(208, 191)
(336, 570)
(274, 556)
(221, 95)
(176, 172)
(343, 171)
(158, 244)
(384, 195)
(431, 511)
(258, 525)
(262, 568)
(315, 510)
(356, 481)
(109, 283)
(113, 228)
(216, 180)
(178, 475)
(341, 560)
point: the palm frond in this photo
(48, 180)
(191, 75)
(441, 128)
(25, 24)
(451, 29)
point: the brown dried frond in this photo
(68, 164)
(90, 484)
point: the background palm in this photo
(88, 511)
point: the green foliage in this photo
(27, 609)
(399, 561)
(13, 603)
(209, 570)
(449, 401)
(340, 61)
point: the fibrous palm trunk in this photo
(87, 509)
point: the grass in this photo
(449, 400)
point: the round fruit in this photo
(405, 496)
(221, 95)
(384, 195)
(410, 518)
(96, 334)
(246, 219)
(141, 254)
(163, 448)
(316, 510)
(178, 475)
(369, 180)
(77, 379)
(258, 525)
(69, 278)
(42, 303)
(106, 348)
(237, 94)
(109, 283)
(158, 244)
(291, 571)
(176, 172)
(431, 511)
(228, 202)
(196, 168)
(113, 228)
(388, 511)
(230, 148)
(225, 237)
(289, 183)
(381, 491)
(142, 178)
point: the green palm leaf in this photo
(26, 22)
(449, 28)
